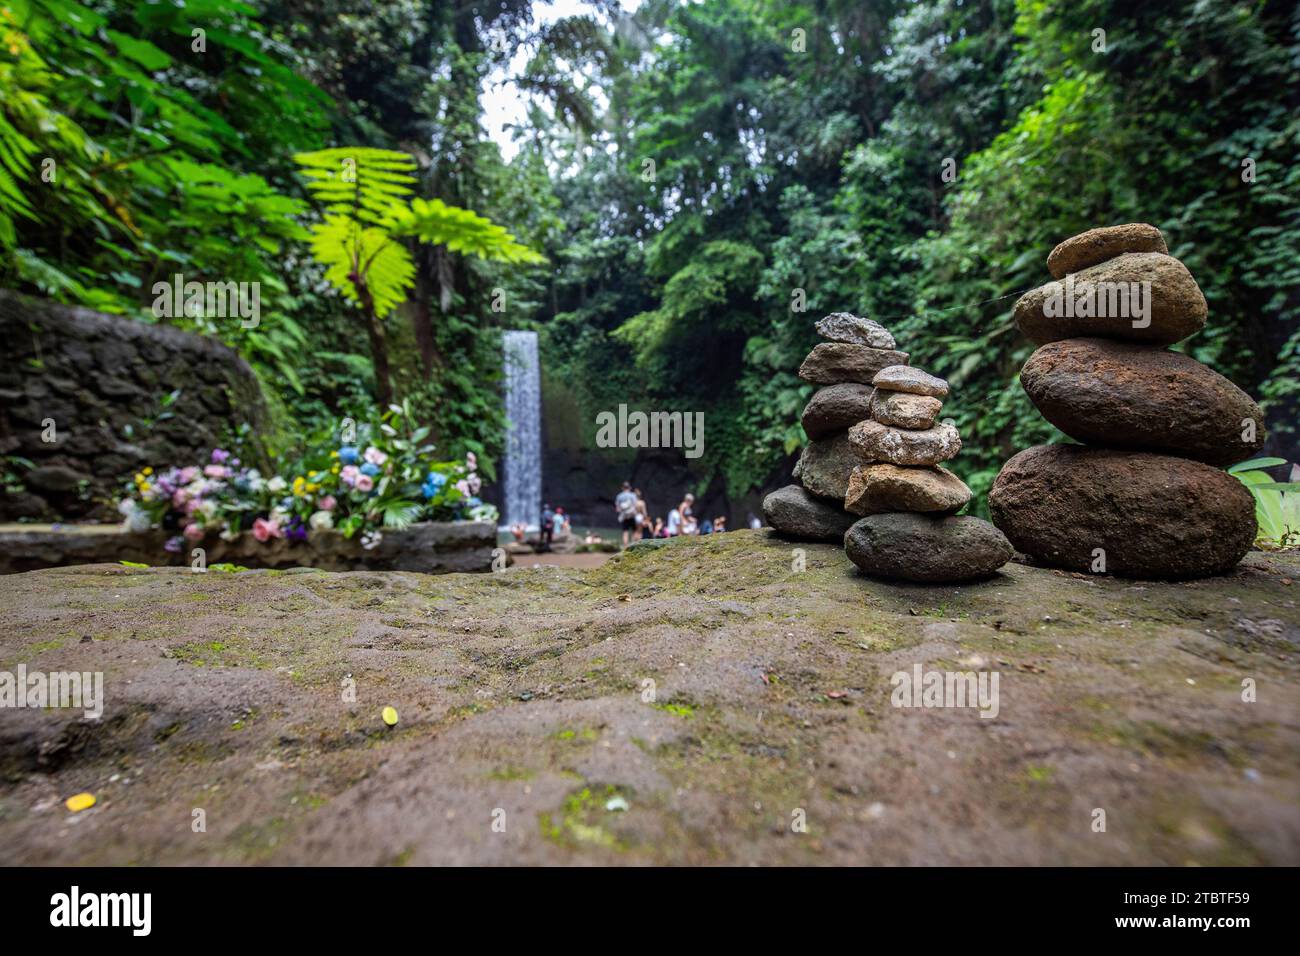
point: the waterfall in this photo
(523, 464)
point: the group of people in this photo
(635, 522)
(554, 524)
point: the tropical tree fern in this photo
(368, 210)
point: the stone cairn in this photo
(870, 474)
(1144, 495)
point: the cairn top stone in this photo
(1097, 245)
(905, 378)
(854, 329)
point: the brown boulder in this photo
(825, 466)
(904, 410)
(903, 446)
(832, 362)
(1133, 396)
(914, 381)
(797, 514)
(1132, 514)
(882, 487)
(927, 548)
(1174, 309)
(835, 408)
(847, 327)
(1097, 245)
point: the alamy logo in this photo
(37, 689)
(946, 689)
(208, 300)
(683, 430)
(1117, 300)
(103, 909)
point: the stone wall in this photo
(433, 547)
(103, 382)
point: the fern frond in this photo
(460, 230)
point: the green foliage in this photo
(1277, 504)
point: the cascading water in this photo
(523, 465)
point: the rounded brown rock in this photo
(881, 487)
(832, 362)
(901, 446)
(1133, 514)
(1175, 307)
(825, 465)
(903, 409)
(1123, 395)
(836, 407)
(795, 513)
(925, 548)
(1097, 245)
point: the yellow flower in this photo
(147, 470)
(334, 454)
(313, 487)
(334, 470)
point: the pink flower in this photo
(264, 529)
(327, 503)
(187, 475)
(463, 487)
(194, 531)
(475, 484)
(349, 475)
(215, 471)
(179, 497)
(365, 483)
(375, 456)
(471, 460)
(191, 506)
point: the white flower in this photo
(276, 485)
(126, 506)
(321, 520)
(370, 540)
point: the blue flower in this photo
(472, 502)
(348, 454)
(369, 469)
(433, 484)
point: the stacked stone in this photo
(855, 350)
(910, 530)
(1144, 495)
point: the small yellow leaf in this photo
(82, 801)
(390, 716)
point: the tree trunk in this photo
(378, 343)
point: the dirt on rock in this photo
(713, 700)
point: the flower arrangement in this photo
(384, 479)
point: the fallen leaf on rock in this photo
(390, 716)
(79, 802)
